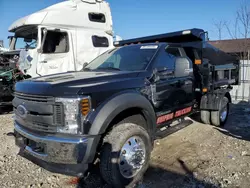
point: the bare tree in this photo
(240, 27)
(233, 28)
(243, 14)
(219, 25)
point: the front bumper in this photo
(57, 154)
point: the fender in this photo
(111, 108)
(105, 113)
(212, 101)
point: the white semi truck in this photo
(62, 37)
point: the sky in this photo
(136, 18)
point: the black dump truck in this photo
(113, 110)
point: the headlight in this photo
(75, 110)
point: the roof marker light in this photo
(186, 32)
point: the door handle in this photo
(43, 62)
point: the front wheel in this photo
(125, 155)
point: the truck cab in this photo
(62, 37)
(112, 111)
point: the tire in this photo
(216, 116)
(112, 165)
(205, 116)
(92, 180)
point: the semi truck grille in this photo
(38, 113)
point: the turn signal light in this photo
(197, 62)
(204, 90)
(85, 106)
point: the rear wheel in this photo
(205, 116)
(125, 154)
(220, 116)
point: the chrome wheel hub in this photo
(224, 111)
(223, 115)
(132, 157)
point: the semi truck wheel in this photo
(125, 154)
(220, 116)
(205, 116)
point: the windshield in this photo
(128, 58)
(25, 38)
(22, 43)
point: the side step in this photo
(170, 129)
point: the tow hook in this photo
(11, 134)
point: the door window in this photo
(100, 41)
(97, 17)
(167, 58)
(56, 42)
(173, 52)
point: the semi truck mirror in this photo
(44, 34)
(84, 65)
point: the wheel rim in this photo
(132, 157)
(224, 111)
(223, 114)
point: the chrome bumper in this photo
(51, 149)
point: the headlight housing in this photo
(75, 111)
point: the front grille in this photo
(35, 98)
(43, 113)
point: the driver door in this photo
(56, 52)
(173, 89)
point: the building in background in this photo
(241, 49)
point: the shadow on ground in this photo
(6, 110)
(154, 177)
(238, 123)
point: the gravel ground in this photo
(197, 156)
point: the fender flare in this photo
(105, 113)
(111, 108)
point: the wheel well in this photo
(124, 115)
(127, 113)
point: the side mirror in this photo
(182, 67)
(10, 39)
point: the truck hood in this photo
(73, 83)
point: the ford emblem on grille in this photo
(21, 111)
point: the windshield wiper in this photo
(108, 68)
(86, 69)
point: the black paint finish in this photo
(113, 91)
